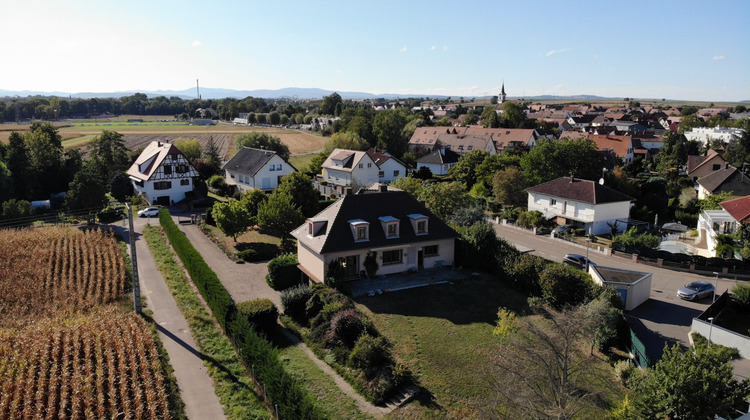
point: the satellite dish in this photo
(601, 181)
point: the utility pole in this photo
(134, 264)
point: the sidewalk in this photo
(196, 387)
(247, 282)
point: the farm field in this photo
(68, 346)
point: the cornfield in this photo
(102, 365)
(67, 347)
(44, 271)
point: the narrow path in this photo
(248, 281)
(196, 387)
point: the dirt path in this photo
(248, 281)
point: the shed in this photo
(634, 287)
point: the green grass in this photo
(334, 403)
(232, 382)
(301, 161)
(443, 334)
(78, 141)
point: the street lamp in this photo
(710, 329)
(587, 253)
(716, 286)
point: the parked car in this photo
(696, 290)
(148, 212)
(563, 229)
(577, 261)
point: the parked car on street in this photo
(577, 261)
(696, 290)
(148, 212)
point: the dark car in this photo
(563, 229)
(696, 290)
(577, 261)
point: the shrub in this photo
(624, 370)
(257, 251)
(369, 352)
(632, 239)
(346, 327)
(741, 294)
(562, 285)
(262, 313)
(294, 300)
(523, 272)
(283, 272)
(371, 264)
(210, 216)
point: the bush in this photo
(562, 285)
(210, 216)
(624, 370)
(109, 215)
(369, 352)
(294, 301)
(283, 272)
(258, 251)
(631, 239)
(262, 313)
(523, 272)
(346, 327)
(741, 294)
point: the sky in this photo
(682, 49)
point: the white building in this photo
(712, 223)
(162, 174)
(706, 134)
(582, 203)
(438, 161)
(256, 169)
(349, 168)
(389, 168)
(634, 287)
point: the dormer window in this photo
(360, 230)
(390, 226)
(419, 224)
(316, 226)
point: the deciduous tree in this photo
(231, 217)
(279, 215)
(266, 141)
(303, 194)
(191, 148)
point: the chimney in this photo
(347, 191)
(158, 143)
(383, 188)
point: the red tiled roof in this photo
(739, 208)
(618, 144)
(580, 190)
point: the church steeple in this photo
(502, 93)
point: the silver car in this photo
(149, 212)
(696, 290)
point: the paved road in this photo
(196, 387)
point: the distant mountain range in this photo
(291, 92)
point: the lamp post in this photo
(710, 329)
(587, 253)
(715, 286)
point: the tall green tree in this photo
(694, 384)
(490, 119)
(88, 189)
(444, 198)
(231, 217)
(6, 183)
(252, 200)
(18, 164)
(191, 148)
(212, 153)
(550, 159)
(513, 115)
(279, 215)
(388, 128)
(509, 187)
(266, 141)
(328, 106)
(303, 194)
(465, 170)
(110, 152)
(689, 122)
(45, 152)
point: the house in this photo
(162, 174)
(699, 166)
(726, 221)
(438, 161)
(634, 287)
(349, 168)
(582, 203)
(727, 179)
(466, 143)
(706, 134)
(506, 137)
(256, 169)
(389, 168)
(424, 139)
(392, 227)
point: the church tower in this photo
(502, 93)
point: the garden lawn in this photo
(250, 236)
(443, 334)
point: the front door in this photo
(420, 259)
(351, 268)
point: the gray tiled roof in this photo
(249, 160)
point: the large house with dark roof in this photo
(727, 179)
(438, 161)
(259, 169)
(162, 174)
(699, 166)
(395, 228)
(581, 202)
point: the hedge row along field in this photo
(68, 349)
(285, 394)
(49, 270)
(101, 365)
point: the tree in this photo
(544, 373)
(345, 140)
(490, 119)
(109, 150)
(212, 153)
(88, 189)
(509, 187)
(464, 170)
(274, 118)
(231, 217)
(712, 201)
(409, 184)
(444, 198)
(303, 194)
(191, 148)
(738, 149)
(551, 159)
(563, 285)
(278, 215)
(45, 153)
(695, 384)
(15, 209)
(328, 106)
(120, 186)
(6, 183)
(252, 200)
(689, 122)
(513, 115)
(266, 141)
(388, 128)
(18, 164)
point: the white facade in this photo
(267, 178)
(361, 171)
(391, 170)
(633, 293)
(164, 191)
(712, 223)
(706, 134)
(162, 174)
(436, 168)
(594, 217)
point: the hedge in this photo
(261, 313)
(283, 392)
(258, 251)
(283, 272)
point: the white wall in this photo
(722, 336)
(435, 168)
(313, 262)
(594, 217)
(637, 292)
(176, 193)
(388, 167)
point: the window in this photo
(162, 185)
(392, 229)
(369, 165)
(361, 233)
(392, 257)
(278, 167)
(395, 173)
(184, 182)
(381, 174)
(361, 165)
(181, 169)
(419, 223)
(271, 167)
(422, 226)
(174, 156)
(552, 202)
(431, 251)
(167, 169)
(715, 167)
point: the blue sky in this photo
(693, 50)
